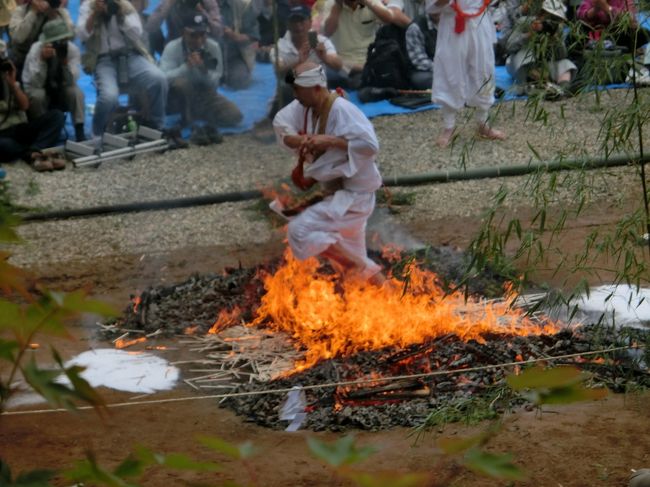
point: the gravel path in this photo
(571, 128)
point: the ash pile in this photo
(407, 402)
(351, 392)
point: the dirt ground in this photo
(589, 444)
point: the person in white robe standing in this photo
(336, 146)
(463, 66)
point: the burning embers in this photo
(330, 317)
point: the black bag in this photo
(387, 63)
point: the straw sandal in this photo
(41, 162)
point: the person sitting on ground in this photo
(193, 65)
(463, 67)
(172, 12)
(421, 48)
(351, 25)
(20, 138)
(114, 53)
(50, 75)
(537, 52)
(301, 44)
(614, 21)
(239, 43)
(336, 146)
(26, 23)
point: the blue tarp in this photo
(254, 101)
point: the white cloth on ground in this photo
(463, 66)
(340, 219)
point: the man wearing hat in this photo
(50, 75)
(298, 45)
(193, 64)
(525, 63)
(336, 146)
(21, 138)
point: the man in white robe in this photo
(336, 146)
(463, 66)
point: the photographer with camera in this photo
(193, 65)
(172, 12)
(50, 75)
(20, 138)
(537, 53)
(27, 23)
(115, 54)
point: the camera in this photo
(5, 65)
(61, 49)
(112, 7)
(209, 62)
(550, 26)
(313, 39)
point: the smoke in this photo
(383, 230)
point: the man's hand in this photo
(10, 75)
(40, 6)
(100, 7)
(47, 52)
(195, 60)
(320, 51)
(321, 142)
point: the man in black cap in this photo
(193, 64)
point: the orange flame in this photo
(136, 300)
(225, 319)
(124, 343)
(330, 317)
(191, 330)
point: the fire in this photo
(124, 343)
(225, 319)
(136, 300)
(331, 317)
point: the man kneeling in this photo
(336, 146)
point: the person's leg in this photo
(179, 99)
(74, 101)
(483, 128)
(10, 148)
(107, 94)
(448, 126)
(44, 131)
(421, 80)
(38, 103)
(147, 79)
(216, 109)
(237, 76)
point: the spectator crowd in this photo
(173, 59)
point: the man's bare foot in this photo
(444, 138)
(487, 132)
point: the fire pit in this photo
(365, 357)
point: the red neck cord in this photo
(461, 16)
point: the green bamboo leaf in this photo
(44, 383)
(540, 378)
(452, 446)
(341, 452)
(131, 466)
(7, 348)
(34, 478)
(81, 389)
(496, 466)
(571, 394)
(221, 446)
(10, 315)
(90, 472)
(386, 479)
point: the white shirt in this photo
(289, 55)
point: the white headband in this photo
(311, 77)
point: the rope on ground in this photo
(332, 384)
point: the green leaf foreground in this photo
(341, 452)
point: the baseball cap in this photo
(300, 11)
(196, 22)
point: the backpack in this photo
(387, 63)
